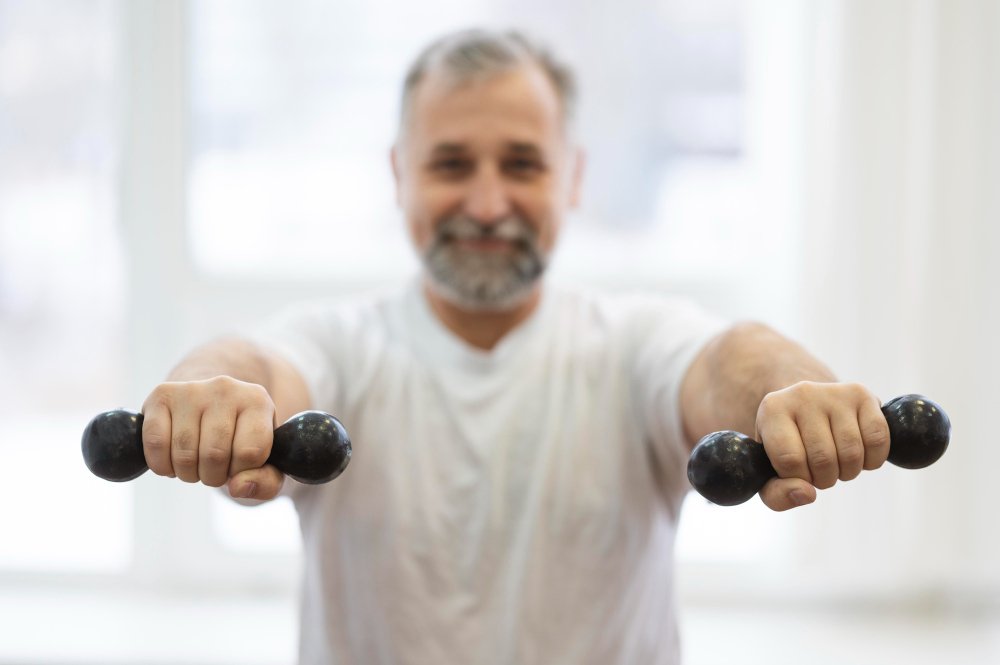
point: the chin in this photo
(484, 303)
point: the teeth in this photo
(462, 228)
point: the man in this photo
(519, 450)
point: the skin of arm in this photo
(815, 430)
(212, 420)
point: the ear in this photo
(394, 158)
(578, 162)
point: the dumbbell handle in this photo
(728, 468)
(311, 447)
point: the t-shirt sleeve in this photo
(671, 333)
(309, 336)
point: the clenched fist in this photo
(816, 434)
(217, 431)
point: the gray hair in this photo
(468, 55)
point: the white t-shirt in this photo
(514, 506)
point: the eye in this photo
(451, 165)
(523, 166)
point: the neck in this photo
(482, 330)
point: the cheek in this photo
(424, 207)
(547, 215)
(418, 233)
(549, 234)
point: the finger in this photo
(262, 484)
(783, 446)
(184, 436)
(215, 447)
(156, 437)
(785, 493)
(874, 434)
(850, 448)
(814, 427)
(252, 440)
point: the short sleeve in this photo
(670, 333)
(308, 336)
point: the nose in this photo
(487, 200)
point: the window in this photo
(62, 324)
(293, 113)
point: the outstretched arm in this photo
(815, 430)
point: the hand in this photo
(218, 431)
(818, 433)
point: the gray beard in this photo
(484, 281)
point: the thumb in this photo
(784, 493)
(261, 484)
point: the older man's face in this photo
(485, 174)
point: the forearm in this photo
(735, 371)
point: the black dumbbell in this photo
(728, 468)
(311, 447)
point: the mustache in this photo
(513, 228)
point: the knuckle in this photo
(766, 405)
(807, 390)
(155, 441)
(852, 455)
(788, 464)
(258, 396)
(185, 459)
(856, 396)
(856, 390)
(876, 435)
(824, 469)
(821, 460)
(197, 393)
(215, 456)
(161, 395)
(237, 395)
(221, 385)
(260, 430)
(852, 461)
(250, 456)
(770, 405)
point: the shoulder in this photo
(356, 314)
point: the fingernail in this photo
(798, 497)
(249, 490)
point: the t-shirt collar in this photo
(446, 346)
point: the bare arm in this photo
(213, 420)
(730, 377)
(815, 431)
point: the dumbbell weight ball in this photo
(312, 447)
(728, 468)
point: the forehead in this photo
(518, 105)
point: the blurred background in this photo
(171, 171)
